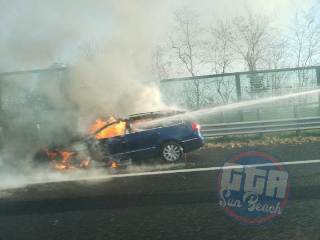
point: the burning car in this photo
(165, 134)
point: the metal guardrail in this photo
(201, 92)
(259, 127)
(317, 68)
(46, 70)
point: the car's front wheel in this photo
(171, 152)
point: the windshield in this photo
(113, 130)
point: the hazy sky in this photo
(35, 33)
(281, 9)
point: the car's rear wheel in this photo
(171, 152)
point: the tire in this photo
(171, 152)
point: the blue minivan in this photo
(165, 134)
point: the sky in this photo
(35, 33)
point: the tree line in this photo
(248, 42)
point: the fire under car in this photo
(165, 134)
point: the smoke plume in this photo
(108, 47)
(112, 79)
(109, 44)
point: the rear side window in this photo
(151, 123)
(144, 124)
(136, 127)
(116, 129)
(172, 121)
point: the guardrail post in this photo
(318, 82)
(1, 135)
(239, 94)
(296, 115)
(38, 130)
(1, 117)
(238, 87)
(223, 120)
(259, 119)
(0, 99)
(222, 117)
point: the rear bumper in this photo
(192, 144)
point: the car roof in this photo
(139, 116)
(149, 114)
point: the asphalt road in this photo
(167, 206)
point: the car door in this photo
(142, 143)
(110, 141)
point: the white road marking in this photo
(187, 170)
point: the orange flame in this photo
(64, 163)
(100, 123)
(84, 164)
(65, 157)
(50, 154)
(61, 158)
(114, 130)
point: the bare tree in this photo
(277, 55)
(256, 36)
(219, 58)
(219, 50)
(304, 38)
(304, 42)
(251, 36)
(160, 63)
(186, 40)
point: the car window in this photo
(147, 123)
(171, 122)
(136, 127)
(116, 129)
(168, 119)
